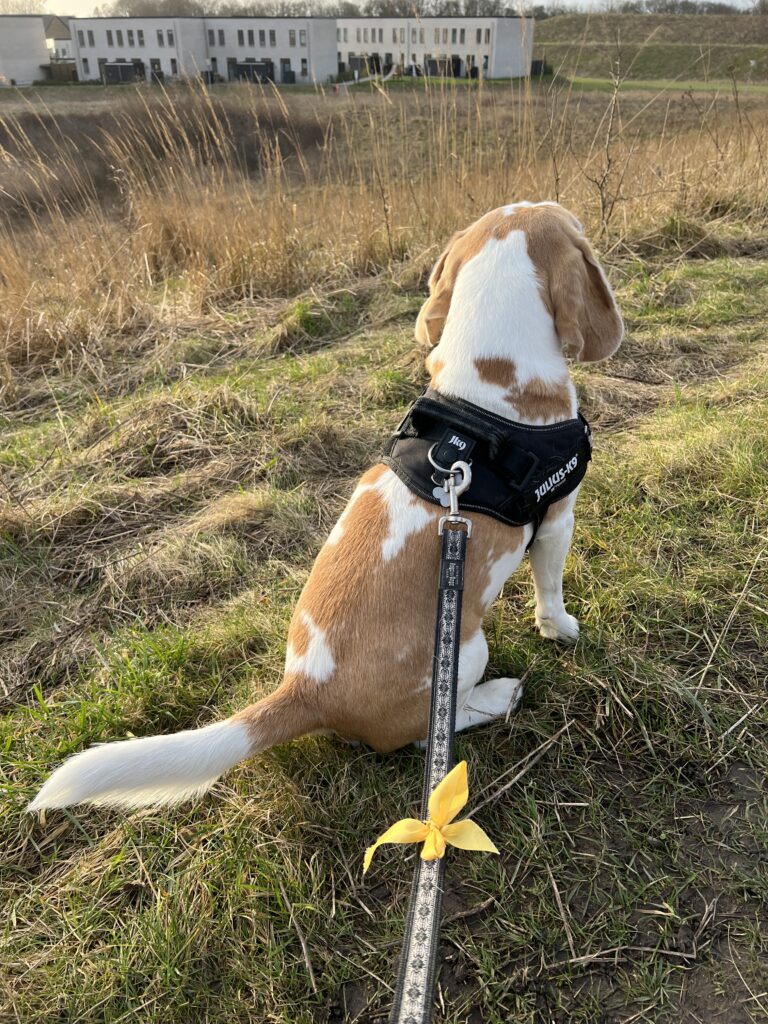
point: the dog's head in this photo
(572, 284)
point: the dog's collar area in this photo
(518, 470)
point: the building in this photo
(23, 50)
(58, 37)
(457, 47)
(283, 50)
(62, 66)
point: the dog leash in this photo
(444, 790)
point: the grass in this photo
(167, 575)
(702, 48)
(712, 86)
(182, 425)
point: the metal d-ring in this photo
(466, 476)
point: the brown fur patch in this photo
(538, 399)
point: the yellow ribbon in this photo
(447, 799)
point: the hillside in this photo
(651, 47)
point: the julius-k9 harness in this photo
(518, 470)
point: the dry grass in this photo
(158, 215)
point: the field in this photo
(206, 333)
(674, 47)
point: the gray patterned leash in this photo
(414, 993)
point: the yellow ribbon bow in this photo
(447, 799)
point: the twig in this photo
(561, 908)
(527, 762)
(470, 911)
(302, 940)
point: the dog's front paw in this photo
(564, 628)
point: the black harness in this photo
(518, 470)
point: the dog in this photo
(510, 298)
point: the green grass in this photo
(154, 542)
(677, 85)
(655, 60)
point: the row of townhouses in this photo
(283, 50)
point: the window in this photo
(174, 66)
(462, 35)
(381, 35)
(445, 36)
(81, 37)
(345, 36)
(272, 38)
(359, 35)
(250, 37)
(487, 35)
(160, 37)
(119, 36)
(338, 35)
(302, 37)
(402, 35)
(211, 37)
(479, 35)
(437, 35)
(110, 40)
(262, 37)
(221, 37)
(86, 69)
(365, 35)
(240, 37)
(421, 36)
(304, 68)
(140, 36)
(394, 35)
(131, 39)
(413, 35)
(91, 40)
(453, 35)
(169, 33)
(291, 36)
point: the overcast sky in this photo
(82, 8)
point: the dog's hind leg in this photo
(494, 699)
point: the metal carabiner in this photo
(455, 490)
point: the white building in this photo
(285, 50)
(58, 37)
(23, 50)
(458, 47)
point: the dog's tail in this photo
(168, 769)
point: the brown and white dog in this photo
(510, 298)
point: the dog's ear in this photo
(432, 315)
(587, 319)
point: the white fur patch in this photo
(153, 770)
(473, 657)
(497, 312)
(338, 531)
(499, 572)
(317, 662)
(407, 515)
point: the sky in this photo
(82, 8)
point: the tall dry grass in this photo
(182, 202)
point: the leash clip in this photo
(454, 490)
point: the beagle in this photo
(510, 298)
